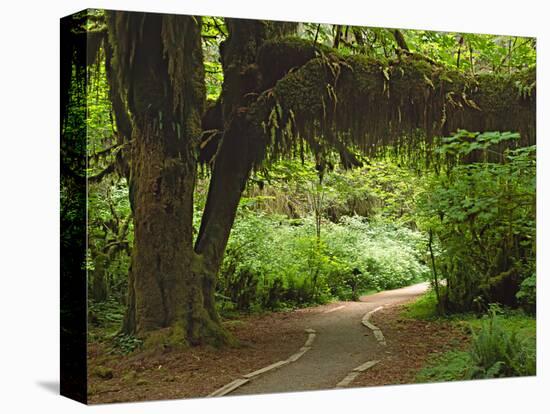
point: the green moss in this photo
(372, 103)
(213, 334)
(168, 338)
(277, 57)
(130, 376)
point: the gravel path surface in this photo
(342, 343)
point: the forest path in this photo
(342, 344)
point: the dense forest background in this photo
(439, 186)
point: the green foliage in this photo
(213, 33)
(299, 239)
(273, 262)
(470, 52)
(424, 307)
(499, 352)
(463, 143)
(449, 366)
(104, 321)
(99, 126)
(527, 294)
(110, 238)
(110, 228)
(483, 215)
(503, 345)
(474, 53)
(379, 188)
(387, 255)
(126, 344)
(105, 314)
(308, 232)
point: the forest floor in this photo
(342, 343)
(410, 344)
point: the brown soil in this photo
(193, 372)
(410, 343)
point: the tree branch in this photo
(94, 179)
(372, 104)
(400, 40)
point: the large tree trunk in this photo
(159, 70)
(167, 291)
(164, 92)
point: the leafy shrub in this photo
(503, 345)
(527, 294)
(386, 255)
(125, 344)
(483, 215)
(105, 314)
(498, 352)
(273, 262)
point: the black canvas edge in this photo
(73, 234)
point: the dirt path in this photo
(342, 343)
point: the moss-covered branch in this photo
(372, 104)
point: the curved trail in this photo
(342, 344)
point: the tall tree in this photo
(158, 62)
(159, 72)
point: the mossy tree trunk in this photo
(233, 161)
(240, 142)
(157, 69)
(164, 93)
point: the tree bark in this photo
(172, 283)
(165, 96)
(234, 159)
(239, 145)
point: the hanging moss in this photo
(507, 102)
(372, 104)
(160, 70)
(179, 36)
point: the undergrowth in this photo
(104, 322)
(279, 263)
(503, 344)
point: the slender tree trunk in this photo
(434, 272)
(98, 288)
(235, 157)
(239, 147)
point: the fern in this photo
(497, 352)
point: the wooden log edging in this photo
(375, 330)
(233, 385)
(348, 379)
